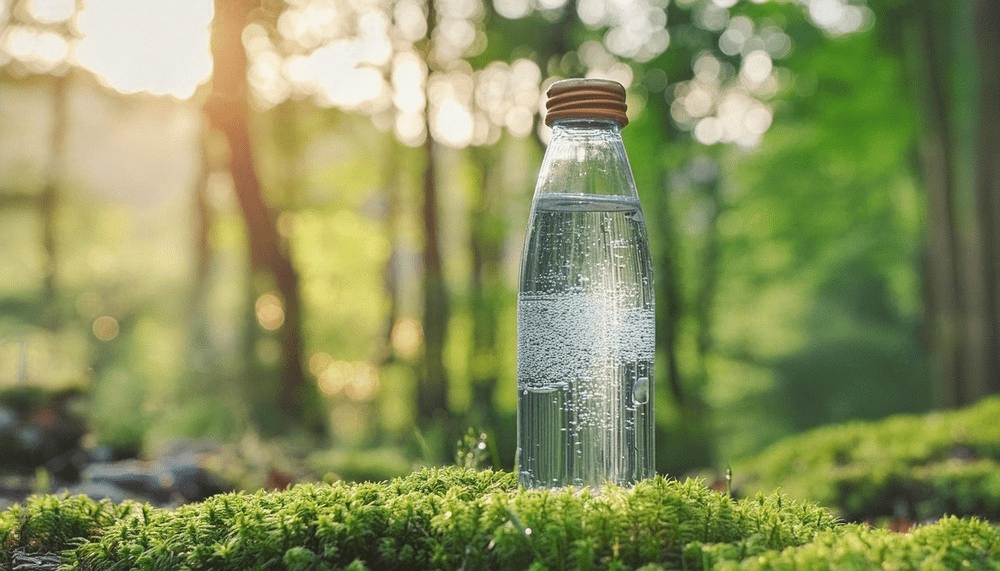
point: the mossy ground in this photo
(915, 467)
(456, 518)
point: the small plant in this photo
(475, 450)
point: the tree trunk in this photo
(987, 191)
(668, 295)
(432, 389)
(228, 112)
(705, 300)
(390, 273)
(944, 286)
(289, 136)
(432, 392)
(487, 232)
(203, 225)
(200, 355)
(49, 199)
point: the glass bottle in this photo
(585, 322)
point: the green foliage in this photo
(373, 464)
(817, 316)
(910, 466)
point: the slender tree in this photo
(945, 286)
(432, 391)
(49, 199)
(487, 232)
(228, 112)
(390, 272)
(47, 202)
(962, 251)
(987, 191)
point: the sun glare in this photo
(52, 11)
(147, 45)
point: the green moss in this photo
(949, 544)
(53, 524)
(914, 466)
(446, 518)
(455, 518)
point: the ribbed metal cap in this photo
(586, 99)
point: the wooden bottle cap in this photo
(580, 98)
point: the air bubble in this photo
(640, 392)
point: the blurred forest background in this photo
(302, 219)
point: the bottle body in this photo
(586, 327)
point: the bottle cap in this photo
(580, 98)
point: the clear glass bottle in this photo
(585, 317)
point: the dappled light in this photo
(319, 362)
(409, 75)
(309, 24)
(40, 51)
(375, 67)
(839, 17)
(635, 30)
(146, 45)
(513, 9)
(719, 107)
(265, 75)
(456, 34)
(52, 11)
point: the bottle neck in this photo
(581, 128)
(586, 156)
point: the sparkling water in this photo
(585, 330)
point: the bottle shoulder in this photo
(586, 158)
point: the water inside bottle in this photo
(585, 344)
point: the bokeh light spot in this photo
(357, 380)
(105, 328)
(406, 338)
(270, 311)
(319, 362)
(756, 67)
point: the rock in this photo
(22, 561)
(136, 477)
(168, 480)
(102, 491)
(191, 481)
(38, 425)
(13, 490)
(8, 420)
